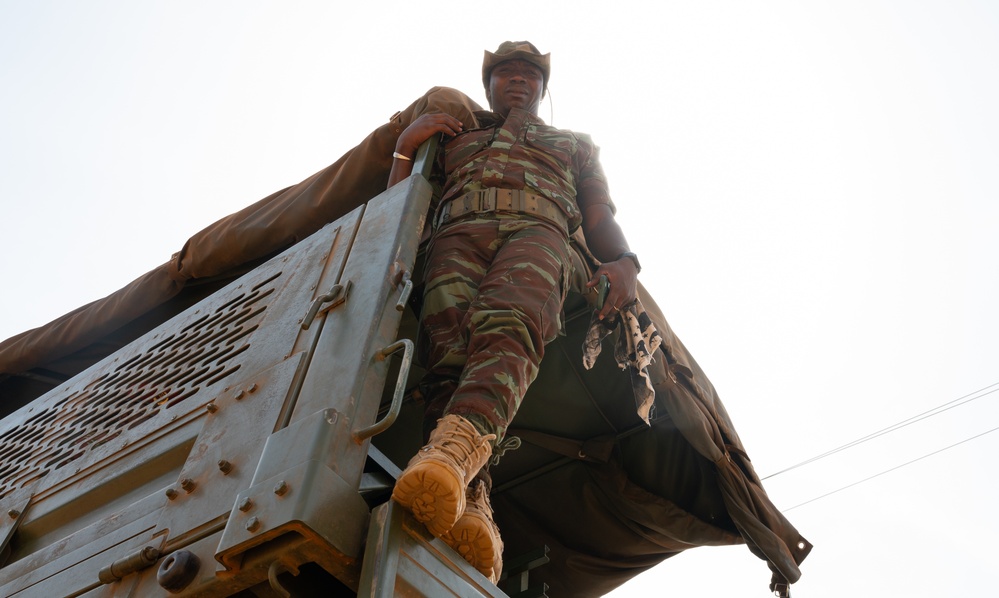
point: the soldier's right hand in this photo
(425, 127)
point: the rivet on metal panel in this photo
(281, 488)
(332, 415)
(211, 407)
(253, 388)
(253, 524)
(13, 513)
(245, 504)
(225, 467)
(240, 395)
(188, 485)
(171, 493)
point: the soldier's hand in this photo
(623, 278)
(423, 128)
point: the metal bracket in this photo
(403, 278)
(515, 580)
(16, 515)
(337, 295)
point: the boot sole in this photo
(472, 538)
(433, 494)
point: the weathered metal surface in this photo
(60, 570)
(230, 442)
(149, 425)
(346, 365)
(232, 434)
(403, 559)
(305, 498)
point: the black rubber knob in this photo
(178, 570)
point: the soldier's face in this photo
(515, 84)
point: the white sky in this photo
(812, 187)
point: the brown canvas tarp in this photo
(261, 229)
(697, 420)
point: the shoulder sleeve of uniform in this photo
(591, 184)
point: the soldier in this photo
(497, 272)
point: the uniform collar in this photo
(489, 119)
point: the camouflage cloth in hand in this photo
(637, 342)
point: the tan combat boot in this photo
(433, 484)
(475, 535)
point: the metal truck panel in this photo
(229, 443)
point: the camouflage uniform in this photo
(496, 281)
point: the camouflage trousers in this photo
(495, 286)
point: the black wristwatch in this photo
(634, 258)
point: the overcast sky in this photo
(812, 188)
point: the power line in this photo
(890, 470)
(962, 400)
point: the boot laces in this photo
(511, 443)
(462, 445)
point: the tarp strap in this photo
(594, 450)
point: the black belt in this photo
(501, 200)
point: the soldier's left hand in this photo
(623, 278)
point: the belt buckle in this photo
(487, 200)
(518, 201)
(443, 213)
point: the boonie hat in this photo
(513, 51)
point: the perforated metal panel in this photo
(122, 431)
(230, 431)
(204, 352)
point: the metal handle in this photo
(335, 296)
(400, 389)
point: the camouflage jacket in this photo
(522, 152)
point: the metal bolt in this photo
(245, 504)
(224, 466)
(253, 388)
(14, 513)
(240, 395)
(188, 485)
(211, 407)
(281, 489)
(171, 493)
(253, 524)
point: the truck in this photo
(243, 438)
